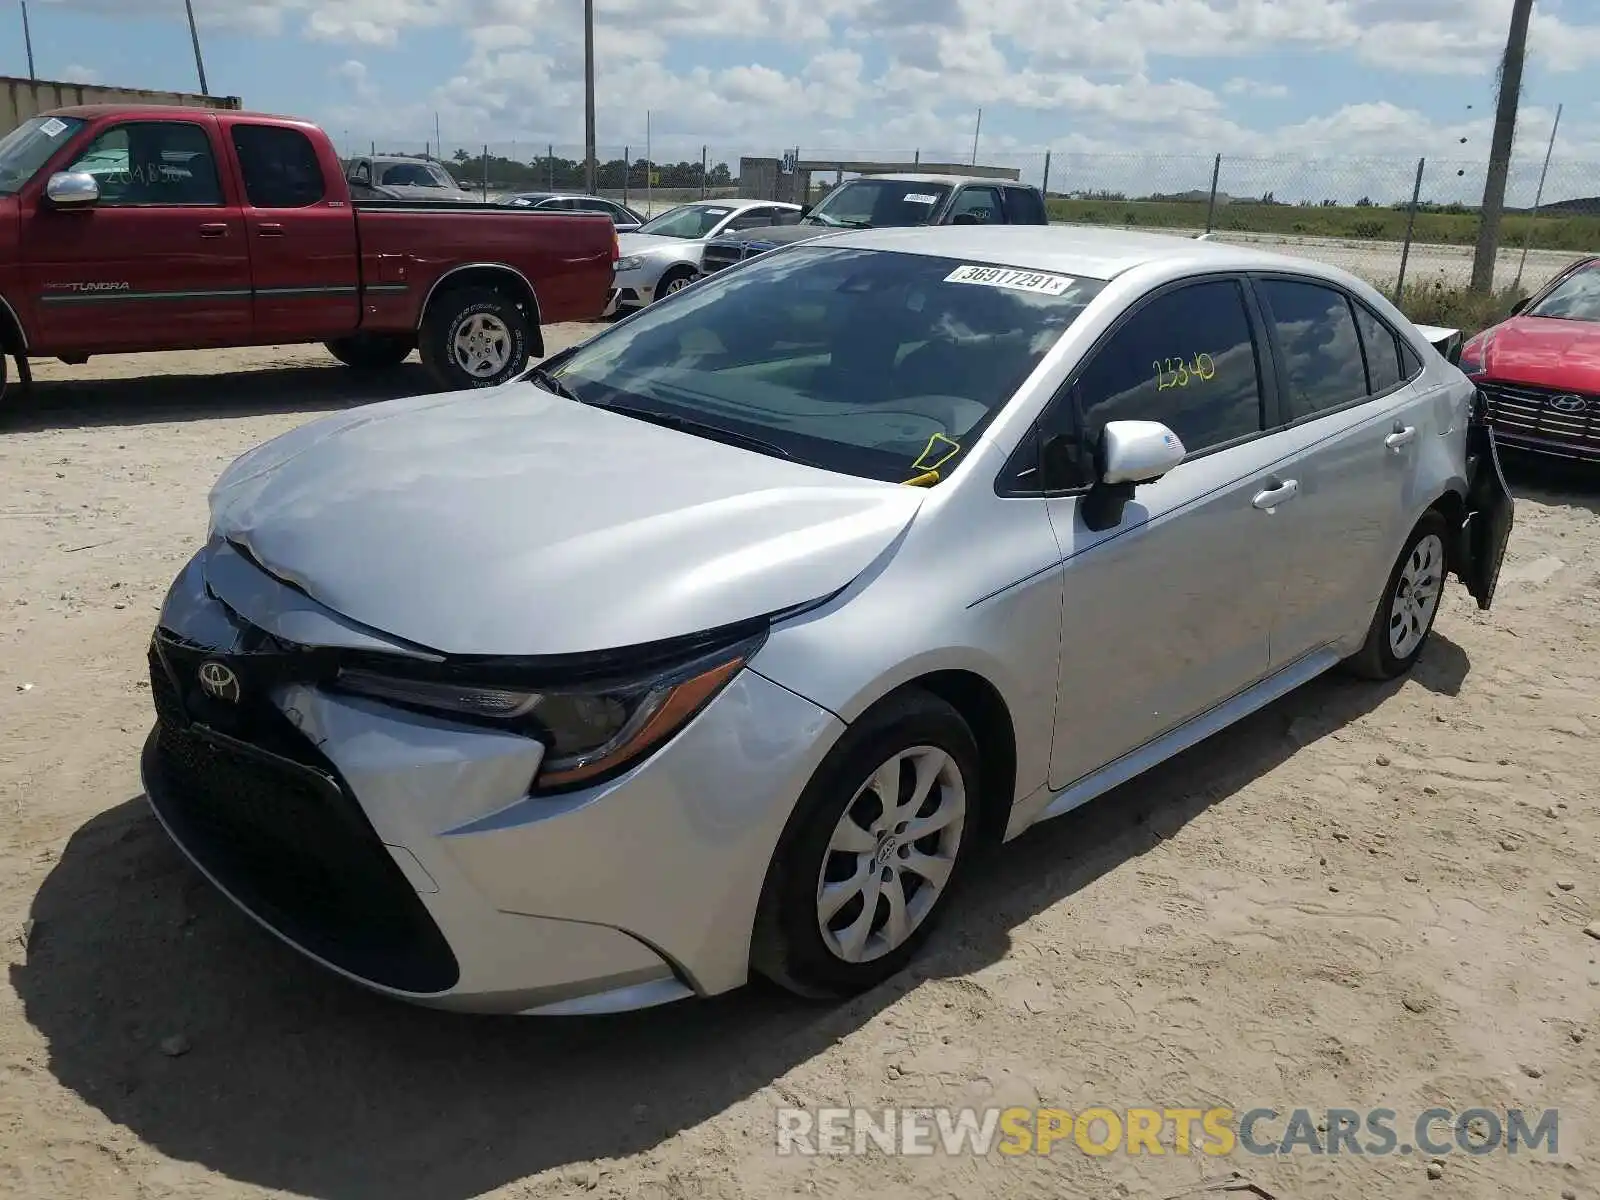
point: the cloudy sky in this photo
(1179, 78)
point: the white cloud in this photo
(1240, 86)
(80, 74)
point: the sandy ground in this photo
(1363, 896)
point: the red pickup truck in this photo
(128, 228)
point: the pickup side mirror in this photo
(1520, 305)
(1130, 453)
(805, 210)
(72, 189)
(965, 218)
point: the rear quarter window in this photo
(1025, 207)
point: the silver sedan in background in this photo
(723, 642)
(663, 256)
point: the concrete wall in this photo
(24, 98)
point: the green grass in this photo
(1437, 303)
(1577, 234)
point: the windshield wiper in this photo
(701, 428)
(543, 378)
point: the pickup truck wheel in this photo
(474, 338)
(372, 351)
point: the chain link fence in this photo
(1388, 220)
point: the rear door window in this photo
(1023, 207)
(1317, 338)
(1381, 347)
(279, 166)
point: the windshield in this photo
(1575, 298)
(878, 204)
(29, 146)
(414, 175)
(872, 363)
(688, 221)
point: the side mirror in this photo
(1520, 305)
(1134, 452)
(965, 219)
(72, 189)
(805, 210)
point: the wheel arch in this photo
(13, 338)
(498, 276)
(987, 714)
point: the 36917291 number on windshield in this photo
(1178, 372)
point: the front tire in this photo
(873, 851)
(1400, 628)
(674, 281)
(475, 337)
(372, 351)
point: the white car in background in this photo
(664, 255)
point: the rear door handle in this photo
(1401, 437)
(1273, 496)
(270, 230)
(213, 231)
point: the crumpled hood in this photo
(1544, 352)
(510, 521)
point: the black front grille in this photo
(716, 257)
(268, 816)
(1548, 418)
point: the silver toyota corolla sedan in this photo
(721, 643)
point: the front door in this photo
(1169, 611)
(158, 261)
(304, 258)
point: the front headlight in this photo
(632, 263)
(590, 732)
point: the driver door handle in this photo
(269, 230)
(214, 231)
(1401, 437)
(1276, 494)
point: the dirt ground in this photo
(1364, 896)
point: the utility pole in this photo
(27, 39)
(588, 97)
(976, 129)
(194, 36)
(1505, 130)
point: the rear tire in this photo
(372, 351)
(845, 849)
(1404, 621)
(475, 337)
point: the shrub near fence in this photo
(1368, 224)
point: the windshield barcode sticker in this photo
(919, 198)
(53, 128)
(1005, 277)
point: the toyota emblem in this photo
(1569, 404)
(218, 681)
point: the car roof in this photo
(952, 180)
(1083, 251)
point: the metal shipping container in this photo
(23, 98)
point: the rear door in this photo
(304, 258)
(1490, 511)
(1358, 428)
(159, 261)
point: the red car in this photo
(129, 228)
(1539, 370)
